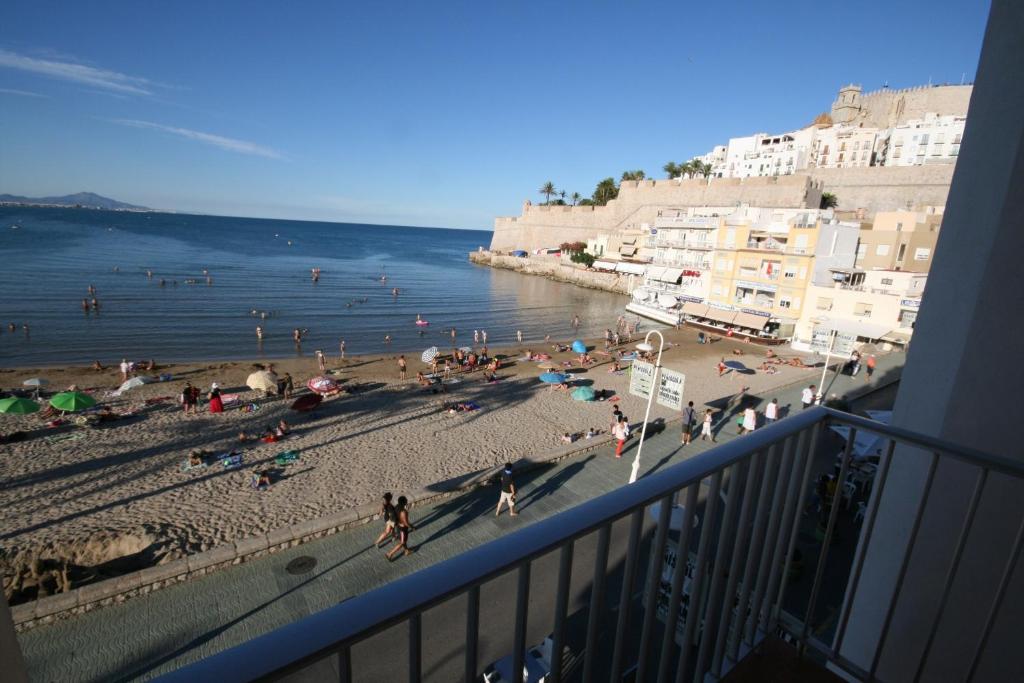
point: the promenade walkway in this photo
(169, 628)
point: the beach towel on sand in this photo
(230, 461)
(286, 458)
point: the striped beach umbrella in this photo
(429, 355)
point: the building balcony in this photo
(751, 577)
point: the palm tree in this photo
(575, 197)
(671, 169)
(686, 169)
(548, 189)
(606, 191)
(829, 200)
(561, 195)
(701, 167)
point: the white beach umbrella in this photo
(262, 381)
(135, 382)
(36, 382)
(429, 355)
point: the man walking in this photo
(807, 397)
(321, 361)
(519, 336)
(689, 419)
(508, 492)
(870, 368)
(483, 337)
(341, 347)
(705, 430)
(616, 416)
(402, 367)
(771, 411)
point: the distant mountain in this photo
(86, 200)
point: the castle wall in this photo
(888, 108)
(885, 188)
(639, 202)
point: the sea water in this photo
(49, 257)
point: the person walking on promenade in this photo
(390, 517)
(771, 411)
(807, 397)
(321, 361)
(721, 367)
(616, 416)
(749, 421)
(508, 492)
(869, 368)
(402, 367)
(689, 420)
(620, 431)
(403, 527)
(341, 348)
(705, 430)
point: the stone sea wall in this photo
(555, 269)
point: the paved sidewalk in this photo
(169, 628)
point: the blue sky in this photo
(437, 114)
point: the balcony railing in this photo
(739, 523)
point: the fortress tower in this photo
(847, 106)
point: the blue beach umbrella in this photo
(553, 378)
(583, 394)
(579, 347)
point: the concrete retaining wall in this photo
(556, 269)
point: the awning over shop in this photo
(855, 328)
(631, 268)
(719, 315)
(666, 274)
(695, 309)
(627, 250)
(604, 265)
(629, 240)
(655, 272)
(750, 321)
(896, 336)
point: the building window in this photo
(784, 302)
(824, 304)
(882, 250)
(863, 310)
(907, 318)
(901, 253)
(954, 150)
(896, 154)
(790, 273)
(862, 250)
(887, 281)
(922, 254)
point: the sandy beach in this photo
(89, 496)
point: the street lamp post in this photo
(646, 347)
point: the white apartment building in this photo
(931, 140)
(765, 155)
(861, 307)
(844, 147)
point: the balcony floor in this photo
(777, 662)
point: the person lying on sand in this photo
(563, 386)
(98, 366)
(737, 352)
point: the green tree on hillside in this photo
(671, 170)
(633, 175)
(548, 189)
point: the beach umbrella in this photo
(429, 355)
(583, 394)
(18, 406)
(70, 401)
(304, 404)
(465, 349)
(548, 365)
(735, 365)
(35, 382)
(553, 378)
(135, 382)
(322, 385)
(261, 380)
(579, 347)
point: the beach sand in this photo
(115, 498)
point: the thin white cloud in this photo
(78, 73)
(22, 93)
(230, 144)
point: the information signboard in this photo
(670, 389)
(641, 378)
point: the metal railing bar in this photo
(757, 540)
(767, 555)
(737, 481)
(522, 611)
(625, 596)
(1004, 582)
(561, 608)
(678, 578)
(345, 665)
(472, 632)
(869, 526)
(843, 663)
(794, 524)
(995, 463)
(780, 564)
(653, 584)
(904, 564)
(740, 544)
(965, 530)
(415, 648)
(826, 542)
(319, 635)
(693, 611)
(596, 600)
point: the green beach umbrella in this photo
(71, 401)
(583, 394)
(18, 406)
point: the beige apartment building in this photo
(900, 240)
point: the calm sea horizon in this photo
(51, 256)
